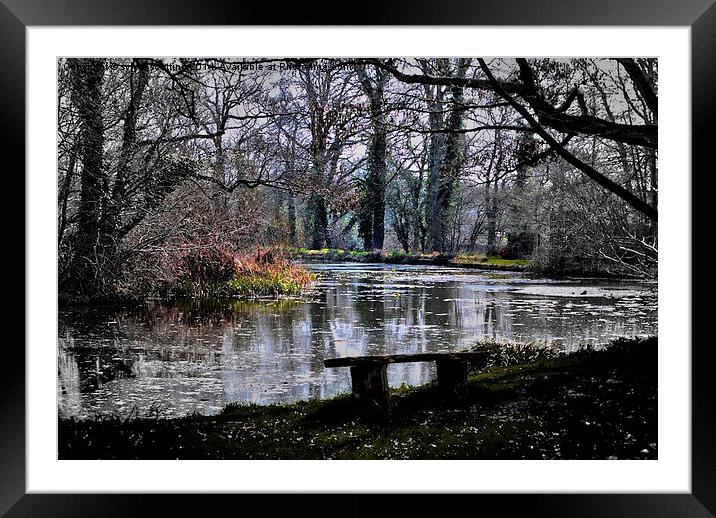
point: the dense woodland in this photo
(553, 160)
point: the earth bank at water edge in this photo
(585, 405)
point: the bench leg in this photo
(452, 378)
(370, 388)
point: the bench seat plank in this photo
(351, 361)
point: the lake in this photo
(178, 359)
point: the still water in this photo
(183, 359)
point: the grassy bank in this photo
(587, 405)
(462, 260)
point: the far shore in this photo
(476, 261)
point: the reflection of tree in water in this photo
(345, 319)
(316, 320)
(490, 318)
(210, 312)
(97, 366)
(364, 300)
(273, 351)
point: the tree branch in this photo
(592, 173)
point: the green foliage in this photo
(474, 258)
(479, 259)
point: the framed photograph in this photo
(414, 251)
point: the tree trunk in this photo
(449, 168)
(491, 214)
(378, 153)
(418, 239)
(64, 193)
(372, 226)
(319, 221)
(221, 206)
(318, 152)
(87, 79)
(434, 159)
(365, 218)
(521, 240)
(654, 186)
(139, 78)
(291, 219)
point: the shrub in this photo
(206, 266)
(268, 272)
(196, 269)
(212, 270)
(504, 354)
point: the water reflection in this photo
(190, 358)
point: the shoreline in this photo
(588, 404)
(487, 263)
(66, 300)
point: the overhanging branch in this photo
(592, 173)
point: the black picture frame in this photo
(700, 15)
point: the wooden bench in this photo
(369, 377)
